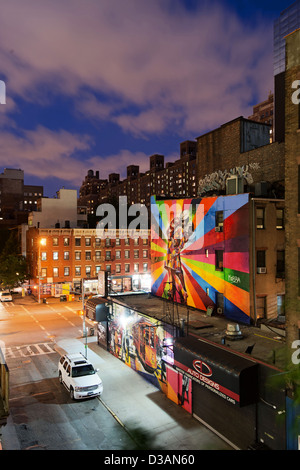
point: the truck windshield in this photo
(80, 371)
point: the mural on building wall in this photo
(207, 264)
(144, 344)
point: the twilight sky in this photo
(102, 84)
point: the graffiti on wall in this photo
(210, 266)
(216, 181)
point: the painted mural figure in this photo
(176, 241)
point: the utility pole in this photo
(83, 318)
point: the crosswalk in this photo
(28, 350)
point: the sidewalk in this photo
(139, 406)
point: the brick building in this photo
(264, 112)
(240, 148)
(292, 183)
(174, 179)
(70, 255)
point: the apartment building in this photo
(16, 198)
(174, 179)
(62, 257)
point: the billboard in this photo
(200, 253)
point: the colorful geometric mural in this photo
(200, 253)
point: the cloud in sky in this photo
(146, 68)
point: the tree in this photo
(13, 266)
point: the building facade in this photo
(228, 258)
(292, 183)
(175, 178)
(16, 198)
(69, 255)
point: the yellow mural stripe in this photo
(234, 294)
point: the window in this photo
(136, 267)
(44, 256)
(107, 242)
(145, 241)
(97, 241)
(88, 271)
(66, 241)
(280, 264)
(136, 253)
(77, 271)
(118, 254)
(98, 268)
(55, 255)
(77, 241)
(127, 268)
(118, 268)
(219, 221)
(126, 241)
(55, 241)
(145, 267)
(55, 272)
(279, 219)
(108, 268)
(108, 255)
(66, 255)
(88, 256)
(145, 253)
(97, 255)
(136, 241)
(280, 305)
(260, 218)
(66, 271)
(44, 272)
(127, 254)
(261, 306)
(118, 243)
(87, 242)
(261, 258)
(219, 260)
(77, 255)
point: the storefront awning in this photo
(229, 375)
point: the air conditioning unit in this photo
(219, 310)
(261, 270)
(234, 185)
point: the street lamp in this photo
(42, 242)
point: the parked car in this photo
(5, 296)
(79, 377)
